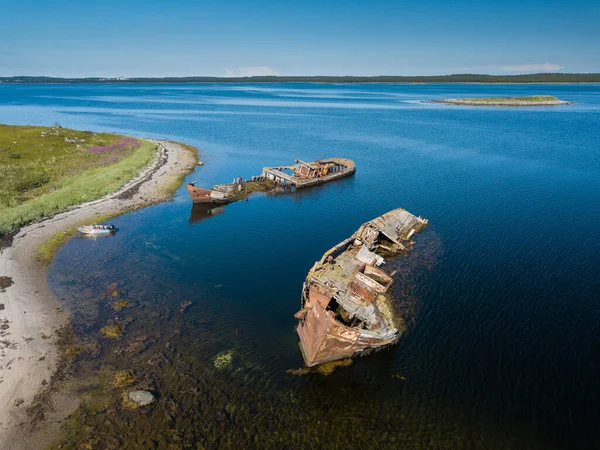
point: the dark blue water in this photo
(503, 350)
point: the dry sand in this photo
(30, 314)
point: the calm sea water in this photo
(503, 291)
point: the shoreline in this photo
(31, 316)
(124, 83)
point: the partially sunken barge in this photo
(346, 303)
(303, 174)
(296, 176)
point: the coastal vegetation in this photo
(534, 100)
(45, 170)
(454, 78)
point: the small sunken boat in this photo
(296, 176)
(346, 302)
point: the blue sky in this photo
(223, 38)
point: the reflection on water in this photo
(200, 212)
(98, 236)
(501, 293)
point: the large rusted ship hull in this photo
(346, 307)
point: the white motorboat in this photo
(97, 229)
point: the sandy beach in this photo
(30, 315)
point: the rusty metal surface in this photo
(200, 195)
(305, 174)
(346, 307)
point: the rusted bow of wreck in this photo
(346, 307)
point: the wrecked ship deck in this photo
(346, 307)
(305, 174)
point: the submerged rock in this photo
(141, 398)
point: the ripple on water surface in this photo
(501, 293)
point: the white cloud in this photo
(546, 67)
(251, 72)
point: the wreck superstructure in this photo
(305, 174)
(346, 307)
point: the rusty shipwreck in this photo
(201, 195)
(305, 174)
(295, 176)
(346, 302)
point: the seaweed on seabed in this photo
(322, 369)
(224, 359)
(123, 378)
(113, 331)
(121, 304)
(42, 402)
(5, 282)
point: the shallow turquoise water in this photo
(504, 340)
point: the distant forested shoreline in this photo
(458, 78)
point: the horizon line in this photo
(311, 76)
(539, 77)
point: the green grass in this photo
(41, 174)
